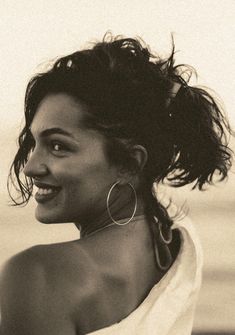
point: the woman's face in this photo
(68, 163)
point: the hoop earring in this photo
(164, 240)
(107, 203)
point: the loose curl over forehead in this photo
(128, 90)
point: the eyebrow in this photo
(51, 131)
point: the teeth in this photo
(42, 191)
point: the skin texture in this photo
(74, 162)
(87, 284)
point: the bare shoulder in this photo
(37, 289)
(42, 266)
(64, 263)
(27, 268)
(22, 285)
(22, 269)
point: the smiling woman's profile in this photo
(77, 173)
(103, 127)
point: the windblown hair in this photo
(128, 89)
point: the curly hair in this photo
(128, 90)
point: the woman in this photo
(101, 127)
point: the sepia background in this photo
(33, 32)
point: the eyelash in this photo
(51, 145)
(62, 147)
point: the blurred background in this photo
(33, 32)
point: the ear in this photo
(138, 157)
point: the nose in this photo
(36, 165)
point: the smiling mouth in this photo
(45, 194)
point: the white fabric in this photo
(169, 307)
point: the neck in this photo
(103, 220)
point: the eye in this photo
(58, 147)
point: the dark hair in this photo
(129, 94)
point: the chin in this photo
(48, 218)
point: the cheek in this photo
(85, 190)
(78, 176)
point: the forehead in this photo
(58, 111)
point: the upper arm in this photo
(26, 307)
